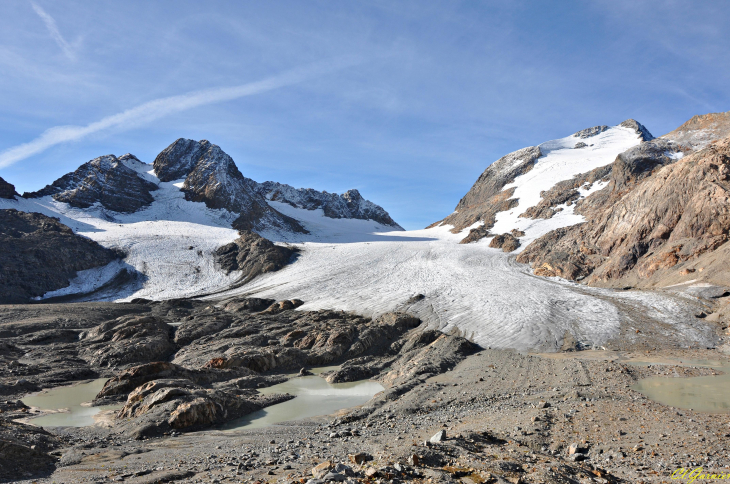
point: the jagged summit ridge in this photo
(348, 205)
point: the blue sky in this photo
(406, 101)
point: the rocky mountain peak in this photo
(106, 180)
(7, 190)
(179, 159)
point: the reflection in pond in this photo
(701, 393)
(67, 403)
(314, 396)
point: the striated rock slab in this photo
(127, 340)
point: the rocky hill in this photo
(701, 130)
(40, 254)
(211, 177)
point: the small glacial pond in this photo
(701, 393)
(70, 405)
(314, 397)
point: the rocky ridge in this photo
(106, 180)
(211, 177)
(701, 130)
(348, 205)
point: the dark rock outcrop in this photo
(106, 180)
(7, 190)
(39, 254)
(252, 255)
(128, 340)
(348, 205)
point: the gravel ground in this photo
(507, 417)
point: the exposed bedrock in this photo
(39, 254)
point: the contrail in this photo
(159, 108)
(53, 30)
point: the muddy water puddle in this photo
(314, 397)
(701, 393)
(69, 406)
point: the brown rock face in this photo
(40, 254)
(648, 227)
(506, 242)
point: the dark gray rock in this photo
(39, 254)
(128, 340)
(589, 132)
(106, 180)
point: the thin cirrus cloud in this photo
(162, 107)
(53, 30)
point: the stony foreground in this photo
(558, 418)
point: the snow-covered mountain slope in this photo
(169, 228)
(501, 198)
(348, 205)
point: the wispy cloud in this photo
(53, 30)
(159, 108)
